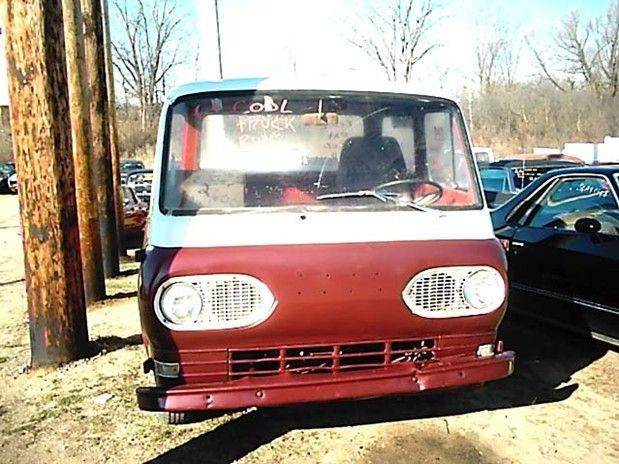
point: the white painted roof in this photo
(270, 84)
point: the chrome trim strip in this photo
(569, 299)
(605, 338)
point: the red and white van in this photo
(315, 243)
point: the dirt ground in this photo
(561, 405)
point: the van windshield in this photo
(310, 151)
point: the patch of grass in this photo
(69, 400)
(27, 427)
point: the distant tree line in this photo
(574, 96)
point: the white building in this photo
(607, 152)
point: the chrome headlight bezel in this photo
(448, 285)
(207, 319)
(167, 314)
(494, 291)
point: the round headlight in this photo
(180, 303)
(484, 289)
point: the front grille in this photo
(320, 359)
(230, 299)
(437, 290)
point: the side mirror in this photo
(588, 225)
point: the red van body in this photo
(267, 286)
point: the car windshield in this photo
(495, 180)
(6, 169)
(131, 165)
(297, 150)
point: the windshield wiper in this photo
(358, 193)
(382, 196)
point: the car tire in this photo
(188, 417)
(173, 418)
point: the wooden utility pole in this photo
(111, 104)
(88, 211)
(99, 120)
(41, 132)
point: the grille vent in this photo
(434, 291)
(328, 359)
(230, 300)
(438, 292)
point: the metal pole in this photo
(221, 70)
(41, 134)
(99, 120)
(87, 211)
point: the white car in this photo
(484, 154)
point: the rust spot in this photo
(40, 233)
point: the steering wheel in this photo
(414, 190)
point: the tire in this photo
(173, 418)
(190, 417)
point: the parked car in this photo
(135, 214)
(270, 277)
(562, 239)
(483, 154)
(499, 184)
(6, 171)
(140, 180)
(12, 183)
(527, 168)
(128, 165)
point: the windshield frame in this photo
(450, 104)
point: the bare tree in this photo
(497, 54)
(587, 53)
(577, 51)
(545, 70)
(148, 50)
(397, 40)
(607, 44)
(488, 52)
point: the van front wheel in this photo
(190, 417)
(174, 418)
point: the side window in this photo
(401, 129)
(439, 147)
(571, 199)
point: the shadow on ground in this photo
(119, 295)
(113, 343)
(546, 359)
(128, 272)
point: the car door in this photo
(560, 273)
